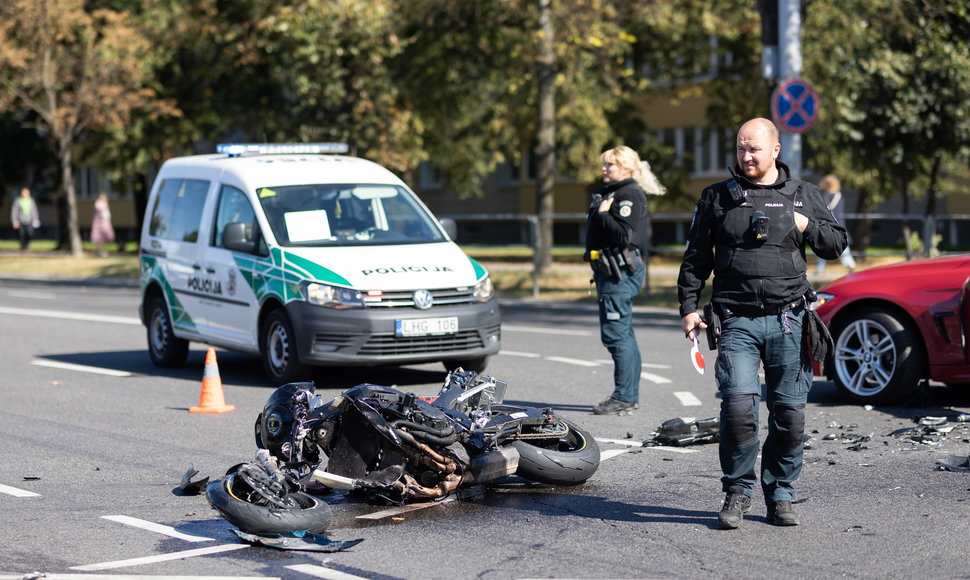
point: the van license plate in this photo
(424, 326)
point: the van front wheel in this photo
(166, 349)
(277, 344)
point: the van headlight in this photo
(484, 291)
(331, 296)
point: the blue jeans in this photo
(777, 341)
(615, 299)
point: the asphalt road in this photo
(94, 440)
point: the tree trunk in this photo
(930, 230)
(67, 182)
(545, 138)
(907, 240)
(863, 228)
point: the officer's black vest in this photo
(739, 253)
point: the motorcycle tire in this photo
(570, 460)
(309, 515)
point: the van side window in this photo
(178, 210)
(233, 207)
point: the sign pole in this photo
(790, 67)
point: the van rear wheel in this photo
(277, 345)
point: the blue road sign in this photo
(794, 106)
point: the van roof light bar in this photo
(237, 149)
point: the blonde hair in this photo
(627, 158)
(830, 183)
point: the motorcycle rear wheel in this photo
(569, 460)
(307, 515)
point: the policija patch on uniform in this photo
(626, 208)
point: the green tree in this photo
(471, 71)
(76, 71)
(894, 79)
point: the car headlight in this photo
(331, 296)
(484, 291)
(822, 299)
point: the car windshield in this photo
(346, 215)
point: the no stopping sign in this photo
(794, 106)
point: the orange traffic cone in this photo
(212, 400)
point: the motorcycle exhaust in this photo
(491, 466)
(334, 481)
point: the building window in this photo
(703, 151)
(429, 177)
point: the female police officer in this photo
(751, 231)
(616, 229)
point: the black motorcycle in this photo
(393, 447)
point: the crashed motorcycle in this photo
(393, 447)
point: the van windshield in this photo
(346, 214)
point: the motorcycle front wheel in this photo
(568, 460)
(307, 514)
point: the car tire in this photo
(476, 364)
(165, 349)
(277, 346)
(878, 358)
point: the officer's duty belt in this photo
(748, 310)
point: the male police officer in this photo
(751, 231)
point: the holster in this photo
(713, 321)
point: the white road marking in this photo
(574, 361)
(627, 442)
(607, 361)
(321, 572)
(688, 399)
(402, 509)
(32, 295)
(561, 331)
(656, 447)
(161, 557)
(522, 354)
(71, 315)
(656, 379)
(604, 455)
(82, 368)
(158, 528)
(135, 577)
(16, 492)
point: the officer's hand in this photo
(606, 204)
(801, 221)
(690, 322)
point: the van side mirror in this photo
(451, 228)
(238, 237)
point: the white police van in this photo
(306, 257)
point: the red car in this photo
(896, 325)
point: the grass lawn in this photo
(510, 267)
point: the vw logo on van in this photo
(423, 299)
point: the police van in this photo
(304, 256)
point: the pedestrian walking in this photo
(832, 194)
(751, 232)
(101, 229)
(616, 230)
(25, 218)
